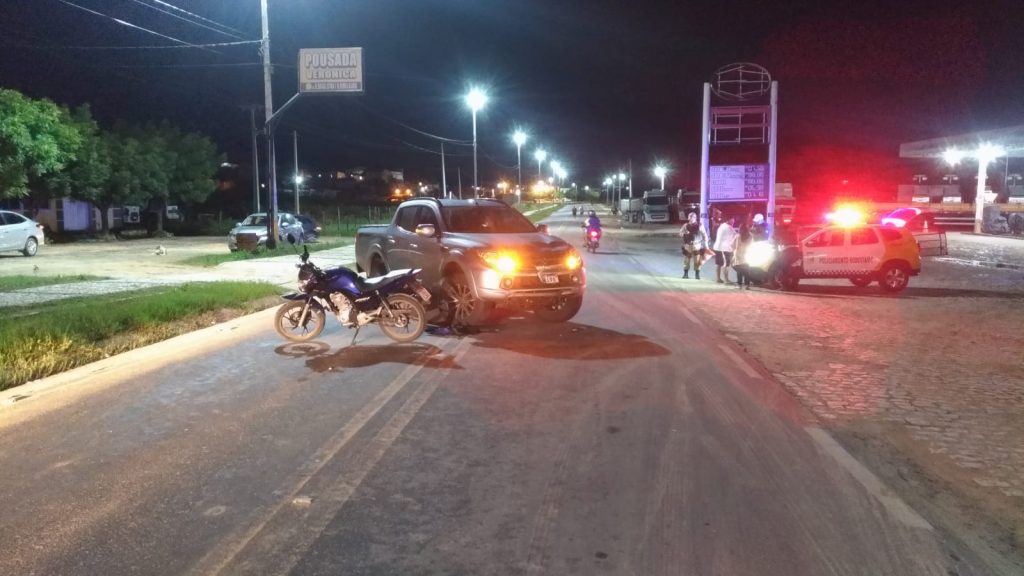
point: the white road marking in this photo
(223, 555)
(740, 362)
(893, 504)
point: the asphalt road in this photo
(633, 440)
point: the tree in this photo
(86, 177)
(37, 138)
(171, 167)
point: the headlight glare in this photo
(503, 262)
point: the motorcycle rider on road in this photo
(591, 223)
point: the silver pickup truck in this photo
(477, 255)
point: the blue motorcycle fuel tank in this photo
(343, 280)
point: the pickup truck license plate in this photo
(424, 293)
(549, 278)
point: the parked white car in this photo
(19, 233)
(251, 234)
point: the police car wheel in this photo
(895, 277)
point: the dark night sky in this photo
(596, 81)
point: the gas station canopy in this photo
(1010, 140)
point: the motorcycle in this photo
(396, 302)
(592, 239)
(769, 265)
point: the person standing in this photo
(695, 241)
(739, 261)
(759, 231)
(725, 242)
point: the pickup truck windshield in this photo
(657, 201)
(485, 220)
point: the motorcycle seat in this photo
(378, 282)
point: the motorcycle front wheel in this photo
(290, 325)
(407, 321)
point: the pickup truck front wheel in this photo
(462, 306)
(560, 309)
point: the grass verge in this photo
(48, 338)
(285, 250)
(18, 282)
(542, 213)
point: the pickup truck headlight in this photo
(503, 262)
(573, 260)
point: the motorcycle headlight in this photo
(503, 262)
(305, 279)
(760, 254)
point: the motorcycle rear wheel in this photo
(288, 321)
(408, 320)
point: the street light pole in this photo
(540, 155)
(476, 192)
(519, 138)
(298, 180)
(476, 99)
(268, 108)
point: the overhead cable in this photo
(416, 130)
(200, 24)
(197, 16)
(148, 47)
(129, 24)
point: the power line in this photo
(223, 65)
(129, 24)
(197, 16)
(418, 131)
(200, 24)
(148, 47)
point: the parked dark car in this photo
(310, 228)
(913, 219)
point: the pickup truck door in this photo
(824, 252)
(427, 253)
(398, 237)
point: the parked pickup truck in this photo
(477, 255)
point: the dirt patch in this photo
(115, 259)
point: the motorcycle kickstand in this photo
(353, 342)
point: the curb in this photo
(142, 360)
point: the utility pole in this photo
(444, 176)
(295, 147)
(268, 108)
(630, 178)
(460, 182)
(255, 158)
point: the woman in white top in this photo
(725, 242)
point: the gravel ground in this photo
(925, 387)
(135, 264)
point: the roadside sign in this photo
(330, 70)
(737, 182)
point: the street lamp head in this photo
(660, 171)
(476, 99)
(622, 176)
(299, 178)
(556, 165)
(953, 156)
(540, 154)
(989, 152)
(519, 137)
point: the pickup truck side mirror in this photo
(542, 228)
(426, 230)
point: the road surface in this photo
(633, 440)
